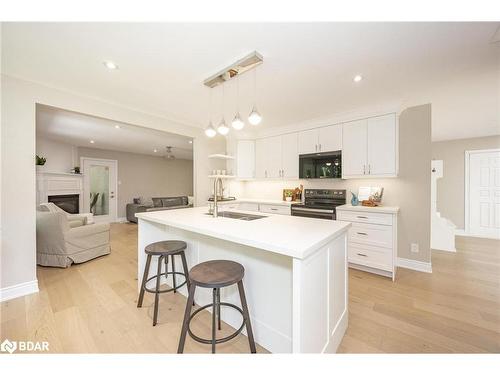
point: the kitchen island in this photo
(295, 272)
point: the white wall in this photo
(19, 98)
(61, 157)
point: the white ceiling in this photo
(307, 71)
(78, 130)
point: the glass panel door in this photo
(99, 190)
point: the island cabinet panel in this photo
(296, 292)
(320, 299)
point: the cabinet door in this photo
(290, 155)
(245, 159)
(261, 158)
(382, 145)
(308, 141)
(268, 157)
(354, 135)
(273, 161)
(330, 138)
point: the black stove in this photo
(320, 203)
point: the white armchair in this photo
(59, 245)
(75, 220)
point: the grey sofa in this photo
(159, 204)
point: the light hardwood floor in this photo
(91, 307)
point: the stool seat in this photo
(216, 273)
(165, 247)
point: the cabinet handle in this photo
(320, 146)
(265, 173)
(362, 233)
(362, 217)
(316, 147)
(361, 255)
(369, 169)
(274, 209)
(364, 169)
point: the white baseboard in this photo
(415, 265)
(18, 290)
(121, 220)
(463, 233)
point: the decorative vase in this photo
(288, 199)
(354, 199)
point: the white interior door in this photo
(484, 193)
(100, 195)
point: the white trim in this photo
(18, 290)
(467, 187)
(121, 219)
(415, 265)
(463, 233)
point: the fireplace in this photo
(69, 203)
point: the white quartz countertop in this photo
(261, 201)
(379, 209)
(292, 236)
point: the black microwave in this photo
(321, 165)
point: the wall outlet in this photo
(414, 248)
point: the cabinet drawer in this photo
(371, 234)
(228, 207)
(248, 206)
(365, 217)
(370, 256)
(275, 209)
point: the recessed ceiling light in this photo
(117, 126)
(190, 142)
(110, 65)
(155, 150)
(357, 78)
(92, 141)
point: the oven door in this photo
(316, 213)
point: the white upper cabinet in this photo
(308, 142)
(354, 151)
(268, 157)
(277, 157)
(370, 147)
(289, 156)
(330, 138)
(325, 139)
(382, 144)
(245, 159)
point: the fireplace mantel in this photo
(59, 183)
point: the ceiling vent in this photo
(241, 66)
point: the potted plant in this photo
(288, 195)
(40, 163)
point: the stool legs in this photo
(246, 316)
(173, 274)
(187, 313)
(186, 272)
(214, 313)
(157, 294)
(218, 309)
(144, 278)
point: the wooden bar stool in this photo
(216, 274)
(164, 250)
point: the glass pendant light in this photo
(237, 122)
(223, 129)
(210, 130)
(254, 118)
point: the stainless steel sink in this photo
(239, 215)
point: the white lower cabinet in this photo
(245, 206)
(372, 239)
(275, 209)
